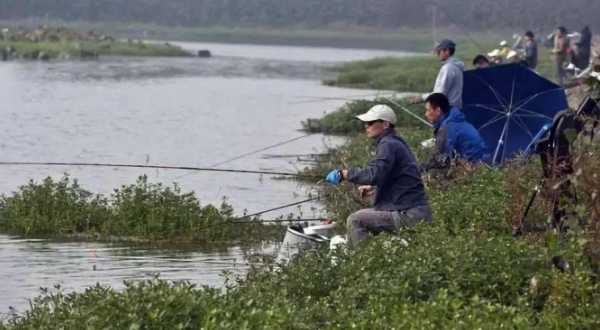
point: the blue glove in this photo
(334, 177)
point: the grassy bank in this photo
(404, 39)
(465, 271)
(417, 74)
(73, 50)
(141, 212)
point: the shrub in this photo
(142, 211)
(52, 208)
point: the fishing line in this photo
(280, 220)
(409, 112)
(279, 208)
(452, 19)
(253, 152)
(239, 220)
(165, 167)
(250, 153)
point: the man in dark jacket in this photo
(531, 50)
(454, 136)
(582, 60)
(392, 176)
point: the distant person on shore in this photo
(504, 49)
(531, 50)
(449, 80)
(584, 49)
(495, 57)
(392, 176)
(481, 62)
(560, 51)
(455, 137)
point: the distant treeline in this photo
(472, 14)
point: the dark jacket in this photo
(395, 173)
(531, 54)
(456, 137)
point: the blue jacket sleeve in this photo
(378, 169)
(448, 139)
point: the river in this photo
(167, 111)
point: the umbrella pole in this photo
(501, 141)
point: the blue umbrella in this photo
(511, 106)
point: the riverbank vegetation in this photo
(418, 73)
(466, 270)
(46, 43)
(143, 212)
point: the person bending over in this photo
(454, 136)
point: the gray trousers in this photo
(369, 221)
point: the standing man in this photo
(449, 80)
(531, 50)
(584, 49)
(393, 176)
(454, 136)
(560, 51)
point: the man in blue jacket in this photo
(454, 136)
(392, 176)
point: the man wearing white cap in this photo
(393, 176)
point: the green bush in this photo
(414, 74)
(52, 208)
(424, 278)
(142, 211)
(148, 209)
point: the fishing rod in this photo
(316, 99)
(374, 94)
(280, 220)
(436, 6)
(279, 208)
(276, 156)
(253, 152)
(403, 108)
(164, 167)
(250, 153)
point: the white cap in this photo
(503, 43)
(379, 112)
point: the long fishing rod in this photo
(403, 108)
(317, 99)
(436, 6)
(250, 153)
(247, 219)
(253, 152)
(374, 94)
(280, 220)
(164, 167)
(279, 208)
